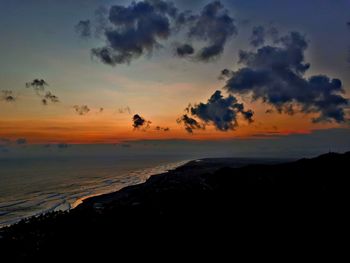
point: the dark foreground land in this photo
(200, 208)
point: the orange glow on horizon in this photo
(113, 127)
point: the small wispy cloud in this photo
(8, 96)
(81, 109)
(164, 129)
(39, 86)
(124, 110)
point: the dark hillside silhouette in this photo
(197, 205)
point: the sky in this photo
(92, 72)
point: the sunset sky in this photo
(55, 40)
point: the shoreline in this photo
(73, 205)
(81, 200)
(193, 167)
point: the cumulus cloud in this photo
(21, 141)
(215, 26)
(275, 75)
(8, 96)
(141, 27)
(81, 109)
(135, 30)
(140, 123)
(83, 28)
(220, 111)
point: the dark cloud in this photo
(37, 84)
(83, 28)
(165, 129)
(8, 96)
(275, 74)
(184, 50)
(101, 110)
(21, 141)
(244, 22)
(220, 111)
(190, 123)
(135, 30)
(81, 109)
(141, 27)
(213, 25)
(140, 123)
(273, 33)
(49, 97)
(260, 35)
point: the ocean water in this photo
(30, 186)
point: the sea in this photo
(32, 185)
(36, 179)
